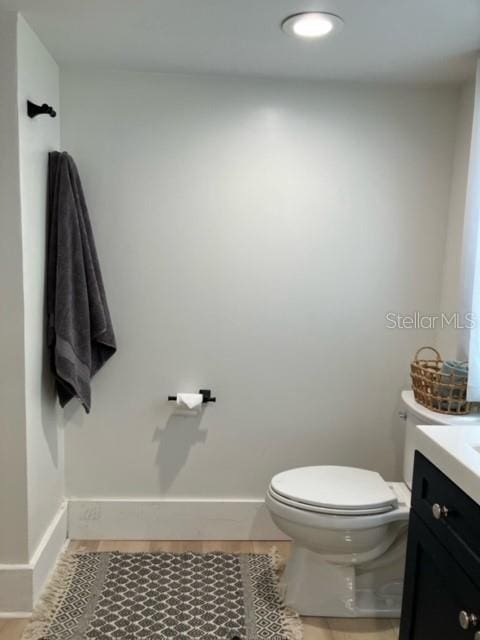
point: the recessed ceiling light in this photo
(312, 25)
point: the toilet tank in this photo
(414, 413)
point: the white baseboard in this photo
(136, 519)
(21, 584)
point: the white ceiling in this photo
(389, 40)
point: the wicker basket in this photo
(436, 389)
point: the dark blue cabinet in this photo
(441, 599)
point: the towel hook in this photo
(35, 109)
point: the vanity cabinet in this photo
(441, 599)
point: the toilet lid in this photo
(335, 489)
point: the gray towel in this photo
(80, 333)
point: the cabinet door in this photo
(459, 529)
(436, 591)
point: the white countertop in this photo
(455, 450)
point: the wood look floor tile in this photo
(316, 629)
(361, 628)
(12, 629)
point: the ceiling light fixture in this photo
(312, 25)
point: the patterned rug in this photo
(156, 596)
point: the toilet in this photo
(349, 530)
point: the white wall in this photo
(33, 520)
(448, 337)
(38, 80)
(253, 235)
(13, 489)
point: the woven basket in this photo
(437, 390)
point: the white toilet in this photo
(349, 530)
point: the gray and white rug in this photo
(156, 596)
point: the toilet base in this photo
(314, 587)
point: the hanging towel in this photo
(80, 335)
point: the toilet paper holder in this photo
(206, 393)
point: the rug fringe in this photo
(82, 550)
(51, 598)
(293, 624)
(291, 620)
(277, 560)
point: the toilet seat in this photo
(326, 510)
(299, 515)
(334, 490)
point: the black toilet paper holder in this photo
(206, 393)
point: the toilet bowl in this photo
(349, 531)
(347, 558)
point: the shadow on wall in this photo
(262, 522)
(398, 430)
(48, 400)
(181, 432)
(49, 409)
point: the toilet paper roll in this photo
(191, 401)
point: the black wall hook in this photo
(35, 109)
